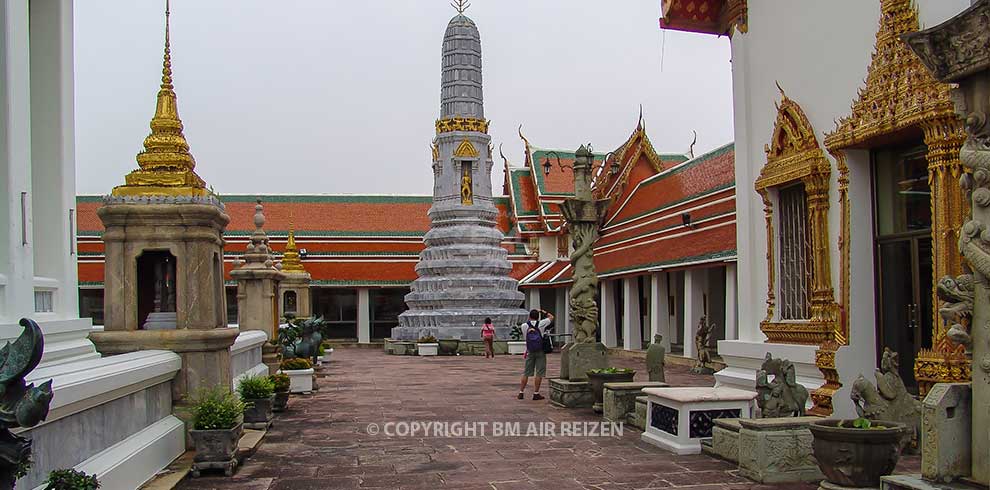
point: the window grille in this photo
(44, 302)
(795, 255)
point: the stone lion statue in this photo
(888, 399)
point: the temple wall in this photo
(819, 53)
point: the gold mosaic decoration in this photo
(166, 166)
(794, 155)
(462, 124)
(900, 97)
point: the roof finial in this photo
(780, 88)
(640, 125)
(527, 161)
(460, 5)
(691, 149)
(167, 64)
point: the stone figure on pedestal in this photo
(889, 399)
(782, 396)
(656, 359)
(702, 344)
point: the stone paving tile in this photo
(323, 442)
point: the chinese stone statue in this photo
(782, 396)
(656, 359)
(889, 399)
(702, 345)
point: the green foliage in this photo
(23, 467)
(256, 388)
(288, 334)
(71, 480)
(280, 381)
(216, 409)
(611, 370)
(516, 333)
(321, 350)
(429, 339)
(296, 363)
(863, 423)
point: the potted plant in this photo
(217, 426)
(517, 345)
(281, 383)
(320, 350)
(71, 480)
(300, 372)
(327, 351)
(598, 377)
(448, 347)
(258, 395)
(856, 453)
(427, 346)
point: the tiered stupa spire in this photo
(166, 166)
(258, 254)
(291, 261)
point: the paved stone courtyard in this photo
(322, 442)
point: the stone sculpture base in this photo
(777, 450)
(571, 394)
(947, 432)
(468, 332)
(637, 418)
(915, 482)
(679, 418)
(725, 440)
(577, 359)
(827, 485)
(619, 399)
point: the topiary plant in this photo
(256, 388)
(611, 370)
(216, 409)
(427, 339)
(296, 363)
(71, 480)
(280, 381)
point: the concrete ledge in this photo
(248, 339)
(915, 482)
(137, 459)
(258, 370)
(78, 386)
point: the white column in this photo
(16, 257)
(731, 314)
(563, 318)
(607, 311)
(659, 308)
(694, 290)
(364, 316)
(632, 330)
(533, 298)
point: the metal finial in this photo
(167, 63)
(691, 150)
(460, 5)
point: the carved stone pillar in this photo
(958, 51)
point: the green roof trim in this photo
(359, 283)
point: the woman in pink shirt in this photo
(488, 335)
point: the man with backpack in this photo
(536, 352)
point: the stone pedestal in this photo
(571, 394)
(679, 418)
(725, 440)
(576, 359)
(947, 432)
(619, 399)
(777, 450)
(915, 482)
(637, 418)
(296, 283)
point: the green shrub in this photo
(256, 388)
(516, 333)
(280, 381)
(429, 339)
(71, 480)
(321, 350)
(296, 363)
(611, 370)
(216, 409)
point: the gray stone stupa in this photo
(464, 271)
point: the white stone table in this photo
(677, 419)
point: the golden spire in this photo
(290, 258)
(166, 166)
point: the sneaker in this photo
(537, 396)
(521, 395)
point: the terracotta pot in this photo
(856, 457)
(281, 401)
(259, 411)
(598, 380)
(216, 446)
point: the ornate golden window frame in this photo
(793, 156)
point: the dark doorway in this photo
(156, 283)
(903, 237)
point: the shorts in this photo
(536, 363)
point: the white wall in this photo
(819, 52)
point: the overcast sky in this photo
(339, 96)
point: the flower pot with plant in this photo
(427, 346)
(320, 350)
(448, 347)
(598, 377)
(856, 453)
(258, 395)
(300, 372)
(327, 352)
(71, 480)
(281, 382)
(517, 345)
(217, 416)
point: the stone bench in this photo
(679, 418)
(637, 418)
(571, 394)
(619, 399)
(777, 450)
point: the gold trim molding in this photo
(794, 155)
(902, 98)
(466, 150)
(462, 124)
